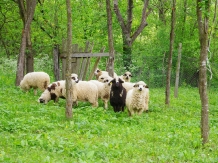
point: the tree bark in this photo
(69, 102)
(110, 39)
(203, 21)
(172, 33)
(126, 28)
(178, 71)
(21, 57)
(56, 62)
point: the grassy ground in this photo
(32, 132)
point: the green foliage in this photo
(33, 132)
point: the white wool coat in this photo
(137, 99)
(35, 80)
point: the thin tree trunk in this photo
(29, 54)
(172, 33)
(21, 57)
(56, 62)
(178, 71)
(69, 102)
(203, 21)
(110, 39)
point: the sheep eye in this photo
(73, 78)
(124, 75)
(102, 78)
(98, 70)
(130, 75)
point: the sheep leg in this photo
(35, 92)
(130, 114)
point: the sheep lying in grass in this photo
(35, 80)
(126, 76)
(53, 92)
(84, 91)
(104, 88)
(137, 99)
(117, 95)
(98, 73)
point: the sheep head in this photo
(117, 82)
(74, 78)
(127, 76)
(45, 96)
(140, 86)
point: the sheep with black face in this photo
(117, 95)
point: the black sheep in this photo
(117, 95)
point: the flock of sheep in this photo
(117, 90)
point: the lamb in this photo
(103, 90)
(126, 76)
(137, 99)
(35, 80)
(53, 92)
(98, 73)
(84, 91)
(117, 95)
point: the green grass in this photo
(32, 132)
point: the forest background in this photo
(149, 50)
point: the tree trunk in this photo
(56, 62)
(29, 54)
(21, 57)
(172, 33)
(178, 71)
(203, 21)
(110, 39)
(127, 54)
(126, 26)
(69, 102)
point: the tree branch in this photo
(119, 16)
(129, 15)
(143, 23)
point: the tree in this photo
(69, 102)
(110, 39)
(126, 26)
(27, 17)
(203, 10)
(172, 36)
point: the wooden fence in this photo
(80, 59)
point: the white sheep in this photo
(101, 78)
(35, 80)
(83, 91)
(128, 86)
(126, 76)
(98, 73)
(104, 88)
(137, 99)
(53, 92)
